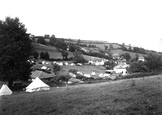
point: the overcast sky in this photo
(135, 22)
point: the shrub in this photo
(44, 55)
(138, 75)
(74, 71)
(35, 54)
(78, 57)
(137, 67)
(109, 64)
(63, 78)
(56, 69)
(41, 55)
(80, 77)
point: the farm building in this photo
(115, 56)
(141, 58)
(120, 69)
(94, 59)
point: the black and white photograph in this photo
(80, 57)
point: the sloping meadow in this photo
(133, 96)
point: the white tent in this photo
(37, 85)
(5, 90)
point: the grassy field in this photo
(53, 52)
(141, 96)
(133, 55)
(102, 46)
(86, 69)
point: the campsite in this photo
(55, 75)
(82, 88)
(125, 97)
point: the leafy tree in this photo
(111, 46)
(35, 54)
(136, 57)
(136, 49)
(153, 62)
(46, 36)
(78, 57)
(72, 48)
(41, 40)
(46, 55)
(137, 67)
(106, 47)
(15, 49)
(78, 41)
(60, 44)
(64, 54)
(127, 56)
(56, 68)
(42, 55)
(53, 40)
(110, 64)
(123, 47)
(130, 48)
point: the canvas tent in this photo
(37, 85)
(5, 90)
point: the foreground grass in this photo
(138, 96)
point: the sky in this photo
(135, 22)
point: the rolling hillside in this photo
(54, 53)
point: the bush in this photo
(137, 67)
(80, 77)
(63, 78)
(109, 64)
(74, 71)
(44, 55)
(56, 69)
(41, 40)
(35, 54)
(138, 75)
(78, 57)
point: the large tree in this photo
(64, 54)
(15, 49)
(153, 62)
(127, 56)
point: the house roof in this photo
(141, 57)
(41, 74)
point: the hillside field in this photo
(142, 96)
(102, 46)
(120, 52)
(53, 52)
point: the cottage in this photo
(141, 58)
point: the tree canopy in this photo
(15, 49)
(153, 62)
